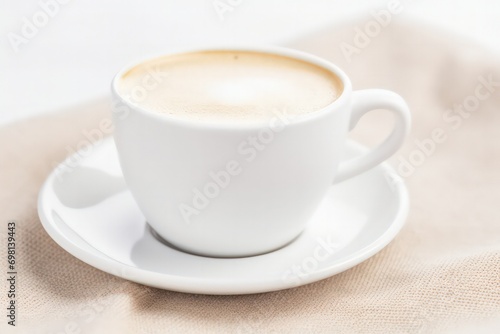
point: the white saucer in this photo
(90, 213)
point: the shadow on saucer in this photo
(94, 186)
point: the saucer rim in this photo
(223, 286)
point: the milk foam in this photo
(229, 85)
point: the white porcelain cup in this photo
(209, 189)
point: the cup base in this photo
(184, 250)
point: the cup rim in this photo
(272, 50)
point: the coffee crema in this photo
(229, 85)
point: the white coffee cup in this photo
(201, 196)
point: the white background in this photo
(73, 57)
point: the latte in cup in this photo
(228, 85)
(192, 117)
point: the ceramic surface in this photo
(89, 211)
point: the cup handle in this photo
(363, 102)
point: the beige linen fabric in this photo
(441, 274)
